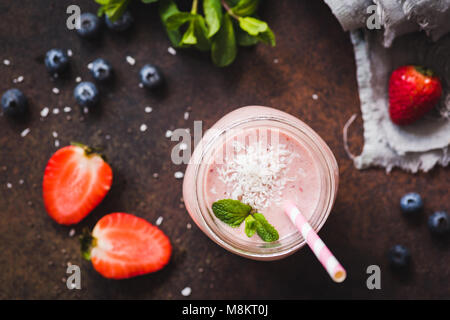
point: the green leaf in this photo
(232, 212)
(176, 20)
(103, 2)
(253, 26)
(265, 230)
(244, 39)
(250, 226)
(245, 7)
(201, 33)
(112, 8)
(213, 15)
(232, 3)
(267, 37)
(223, 48)
(189, 37)
(149, 1)
(101, 11)
(168, 8)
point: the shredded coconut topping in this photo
(256, 173)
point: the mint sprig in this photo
(219, 26)
(264, 229)
(234, 212)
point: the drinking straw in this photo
(326, 258)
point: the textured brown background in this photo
(315, 57)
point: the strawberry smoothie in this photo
(264, 167)
(262, 157)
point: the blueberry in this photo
(89, 25)
(122, 23)
(150, 76)
(86, 94)
(101, 69)
(399, 256)
(439, 223)
(411, 203)
(14, 103)
(56, 60)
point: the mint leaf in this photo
(245, 7)
(213, 16)
(224, 49)
(189, 37)
(167, 8)
(232, 3)
(244, 39)
(267, 37)
(149, 1)
(176, 20)
(201, 33)
(264, 229)
(253, 26)
(112, 8)
(250, 226)
(232, 212)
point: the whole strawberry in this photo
(413, 91)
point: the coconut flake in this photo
(143, 127)
(186, 291)
(178, 175)
(172, 51)
(131, 61)
(256, 173)
(44, 112)
(25, 132)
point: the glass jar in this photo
(194, 190)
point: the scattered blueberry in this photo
(399, 256)
(439, 223)
(150, 76)
(101, 69)
(56, 60)
(14, 103)
(122, 23)
(89, 25)
(411, 203)
(86, 94)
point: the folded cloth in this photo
(419, 146)
(424, 144)
(398, 17)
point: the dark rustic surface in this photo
(314, 57)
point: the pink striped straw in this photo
(326, 258)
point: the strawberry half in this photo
(76, 180)
(124, 246)
(413, 91)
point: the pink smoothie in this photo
(263, 167)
